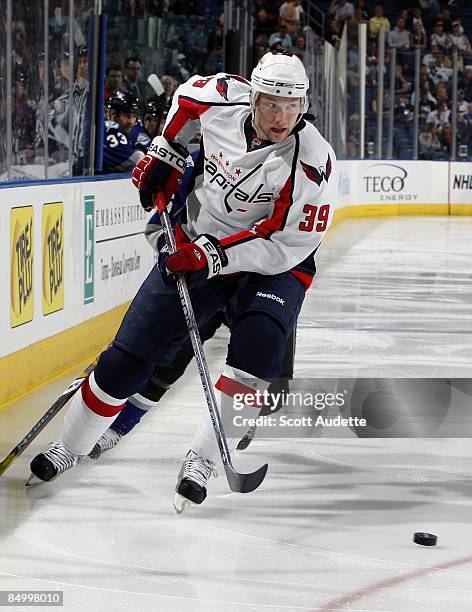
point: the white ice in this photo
(331, 527)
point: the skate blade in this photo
(33, 481)
(180, 503)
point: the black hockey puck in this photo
(425, 539)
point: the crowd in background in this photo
(437, 29)
(191, 41)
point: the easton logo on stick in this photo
(317, 176)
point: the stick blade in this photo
(245, 483)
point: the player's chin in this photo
(277, 134)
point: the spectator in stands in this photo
(181, 68)
(399, 37)
(403, 111)
(430, 9)
(353, 130)
(430, 58)
(440, 115)
(439, 37)
(441, 94)
(23, 119)
(385, 103)
(332, 34)
(298, 48)
(377, 21)
(292, 15)
(132, 82)
(113, 80)
(402, 85)
(463, 129)
(197, 44)
(362, 13)
(416, 17)
(427, 103)
(445, 138)
(418, 39)
(169, 85)
(462, 103)
(465, 83)
(262, 40)
(440, 72)
(282, 36)
(425, 77)
(445, 17)
(458, 39)
(215, 62)
(351, 150)
(342, 10)
(428, 141)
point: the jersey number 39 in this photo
(313, 214)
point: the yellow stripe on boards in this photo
(26, 370)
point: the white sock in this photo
(91, 413)
(232, 386)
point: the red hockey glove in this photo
(205, 252)
(160, 170)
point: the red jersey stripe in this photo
(243, 236)
(188, 110)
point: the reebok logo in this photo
(271, 296)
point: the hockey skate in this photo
(48, 465)
(108, 440)
(191, 488)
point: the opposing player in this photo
(120, 154)
(263, 197)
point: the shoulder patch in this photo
(320, 174)
(222, 83)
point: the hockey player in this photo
(161, 380)
(263, 199)
(119, 153)
(152, 119)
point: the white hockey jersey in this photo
(269, 204)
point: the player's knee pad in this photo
(121, 374)
(257, 345)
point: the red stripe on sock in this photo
(96, 405)
(231, 387)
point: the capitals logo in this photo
(222, 84)
(317, 176)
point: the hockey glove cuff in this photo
(160, 170)
(204, 253)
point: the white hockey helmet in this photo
(278, 74)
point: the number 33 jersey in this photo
(269, 204)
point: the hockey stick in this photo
(48, 416)
(240, 483)
(156, 84)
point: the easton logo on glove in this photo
(160, 170)
(204, 252)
